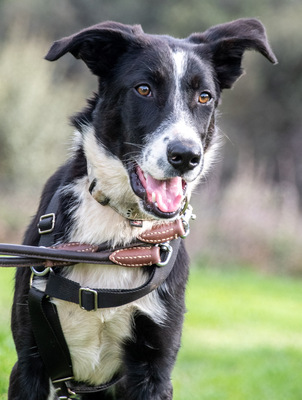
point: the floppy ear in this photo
(226, 44)
(99, 46)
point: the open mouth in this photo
(163, 198)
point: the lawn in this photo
(242, 337)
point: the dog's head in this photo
(149, 134)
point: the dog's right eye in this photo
(143, 90)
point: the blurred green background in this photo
(248, 209)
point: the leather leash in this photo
(144, 251)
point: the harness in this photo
(155, 249)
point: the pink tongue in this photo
(167, 194)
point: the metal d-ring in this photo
(34, 272)
(168, 250)
(40, 273)
(187, 215)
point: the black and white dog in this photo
(141, 146)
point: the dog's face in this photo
(162, 101)
(151, 131)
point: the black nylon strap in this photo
(92, 299)
(53, 348)
(79, 388)
(47, 329)
(49, 335)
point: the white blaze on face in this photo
(179, 65)
(177, 126)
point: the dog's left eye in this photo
(143, 90)
(204, 97)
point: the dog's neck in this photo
(130, 212)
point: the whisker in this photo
(140, 146)
(130, 162)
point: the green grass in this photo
(242, 337)
(7, 349)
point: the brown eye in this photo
(204, 98)
(144, 90)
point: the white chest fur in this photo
(95, 338)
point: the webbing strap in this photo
(49, 336)
(91, 299)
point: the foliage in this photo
(242, 337)
(33, 131)
(266, 118)
(260, 119)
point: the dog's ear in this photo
(99, 46)
(226, 43)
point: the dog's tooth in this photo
(153, 197)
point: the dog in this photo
(143, 143)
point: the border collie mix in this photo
(140, 147)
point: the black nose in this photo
(184, 155)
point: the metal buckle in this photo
(186, 216)
(168, 250)
(95, 293)
(71, 395)
(40, 273)
(69, 378)
(53, 220)
(34, 273)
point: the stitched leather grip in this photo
(136, 256)
(163, 233)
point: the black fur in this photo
(124, 57)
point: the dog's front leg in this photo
(28, 381)
(150, 355)
(149, 360)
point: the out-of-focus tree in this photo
(262, 115)
(262, 167)
(265, 110)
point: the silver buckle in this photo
(69, 378)
(34, 273)
(167, 249)
(186, 216)
(40, 273)
(95, 293)
(51, 215)
(71, 396)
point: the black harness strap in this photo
(49, 336)
(93, 299)
(47, 328)
(79, 388)
(46, 325)
(53, 348)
